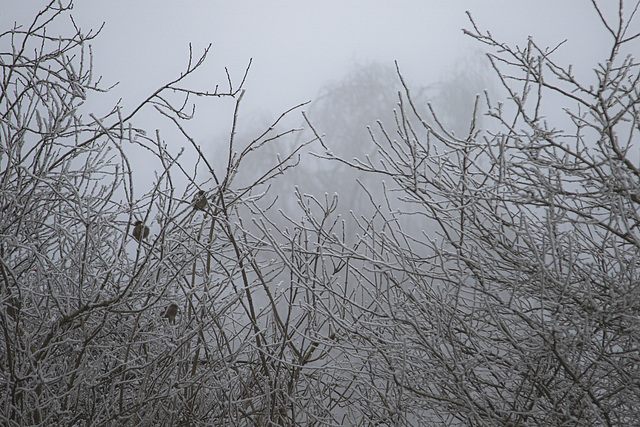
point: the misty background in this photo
(298, 49)
(337, 58)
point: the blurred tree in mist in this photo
(453, 96)
(349, 111)
(345, 108)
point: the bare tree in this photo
(117, 308)
(519, 302)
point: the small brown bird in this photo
(140, 231)
(200, 202)
(171, 312)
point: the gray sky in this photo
(297, 46)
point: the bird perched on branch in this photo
(140, 231)
(171, 312)
(200, 202)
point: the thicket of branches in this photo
(496, 282)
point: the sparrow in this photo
(170, 312)
(140, 231)
(200, 202)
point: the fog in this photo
(339, 56)
(297, 47)
(383, 258)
